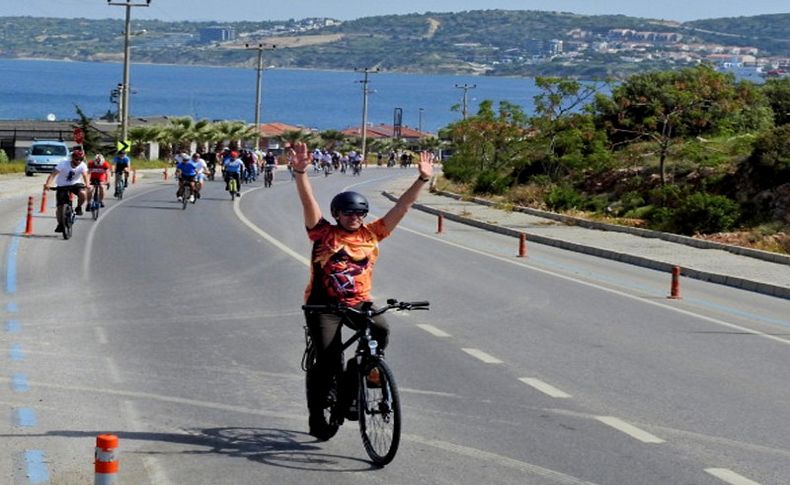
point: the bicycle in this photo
(65, 214)
(120, 185)
(186, 195)
(232, 188)
(95, 204)
(268, 176)
(377, 400)
(356, 169)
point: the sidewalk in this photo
(758, 271)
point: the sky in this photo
(236, 10)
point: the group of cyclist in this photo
(76, 177)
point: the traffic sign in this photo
(123, 146)
(79, 136)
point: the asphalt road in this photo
(180, 332)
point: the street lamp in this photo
(125, 91)
(260, 48)
(419, 124)
(366, 71)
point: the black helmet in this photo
(348, 201)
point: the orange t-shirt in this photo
(98, 171)
(342, 262)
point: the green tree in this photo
(665, 106)
(778, 93)
(89, 132)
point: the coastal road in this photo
(180, 331)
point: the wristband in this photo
(426, 179)
(297, 171)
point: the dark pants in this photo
(326, 335)
(232, 175)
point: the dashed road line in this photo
(16, 353)
(544, 387)
(629, 429)
(436, 332)
(479, 354)
(13, 326)
(730, 476)
(11, 307)
(19, 383)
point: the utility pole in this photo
(419, 123)
(126, 89)
(465, 87)
(260, 48)
(366, 71)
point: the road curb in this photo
(722, 279)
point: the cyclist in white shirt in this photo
(202, 170)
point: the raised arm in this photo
(394, 216)
(300, 157)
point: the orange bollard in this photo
(134, 176)
(29, 222)
(522, 245)
(164, 172)
(43, 207)
(674, 292)
(106, 464)
(440, 224)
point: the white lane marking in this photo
(156, 472)
(433, 330)
(427, 393)
(290, 252)
(602, 288)
(101, 335)
(544, 387)
(112, 369)
(479, 354)
(554, 476)
(629, 429)
(730, 476)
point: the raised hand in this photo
(300, 156)
(426, 164)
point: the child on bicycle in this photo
(342, 263)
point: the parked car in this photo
(44, 155)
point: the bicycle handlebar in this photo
(392, 304)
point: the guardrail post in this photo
(134, 176)
(106, 464)
(440, 224)
(29, 221)
(522, 245)
(674, 291)
(164, 172)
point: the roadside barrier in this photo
(29, 222)
(440, 225)
(522, 245)
(106, 464)
(164, 173)
(43, 208)
(674, 291)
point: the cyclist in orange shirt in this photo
(342, 263)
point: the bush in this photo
(563, 197)
(490, 182)
(666, 196)
(632, 200)
(705, 213)
(3, 157)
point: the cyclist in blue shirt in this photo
(233, 169)
(122, 165)
(186, 170)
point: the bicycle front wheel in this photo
(379, 412)
(185, 197)
(68, 220)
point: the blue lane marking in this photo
(25, 417)
(12, 326)
(16, 353)
(19, 383)
(11, 307)
(13, 248)
(36, 467)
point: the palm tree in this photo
(235, 132)
(332, 138)
(139, 136)
(295, 136)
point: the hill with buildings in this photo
(491, 42)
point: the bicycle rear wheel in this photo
(185, 197)
(119, 187)
(95, 204)
(379, 413)
(68, 220)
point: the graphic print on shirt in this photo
(340, 274)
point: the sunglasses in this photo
(359, 213)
